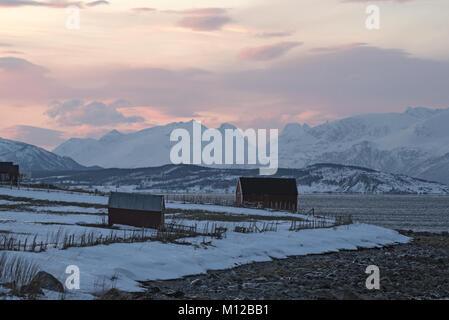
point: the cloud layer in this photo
(76, 112)
(203, 19)
(97, 3)
(49, 4)
(268, 52)
(45, 138)
(329, 82)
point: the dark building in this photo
(138, 210)
(275, 193)
(9, 173)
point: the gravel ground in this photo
(418, 270)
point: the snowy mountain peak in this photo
(412, 143)
(32, 158)
(421, 112)
(225, 126)
(113, 133)
(111, 136)
(293, 128)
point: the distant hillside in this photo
(32, 158)
(320, 178)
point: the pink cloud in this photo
(76, 112)
(97, 3)
(205, 11)
(203, 19)
(48, 4)
(279, 34)
(200, 11)
(204, 23)
(267, 52)
(22, 81)
(329, 49)
(21, 3)
(143, 10)
(341, 81)
(46, 138)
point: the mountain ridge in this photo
(415, 143)
(318, 178)
(32, 158)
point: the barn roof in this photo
(269, 186)
(136, 201)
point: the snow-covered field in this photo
(52, 195)
(122, 264)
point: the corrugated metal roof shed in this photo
(136, 201)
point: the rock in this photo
(277, 277)
(321, 294)
(43, 280)
(330, 276)
(175, 294)
(115, 294)
(196, 282)
(249, 285)
(325, 285)
(350, 295)
(28, 290)
(155, 290)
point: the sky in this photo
(133, 64)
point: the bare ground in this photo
(418, 270)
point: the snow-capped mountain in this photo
(319, 178)
(149, 147)
(414, 143)
(32, 158)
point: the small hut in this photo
(274, 193)
(138, 210)
(9, 173)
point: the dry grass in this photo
(9, 243)
(16, 272)
(36, 202)
(254, 227)
(432, 241)
(200, 215)
(215, 199)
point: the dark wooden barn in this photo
(138, 210)
(9, 173)
(275, 193)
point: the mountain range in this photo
(318, 178)
(414, 143)
(32, 158)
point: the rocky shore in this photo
(417, 270)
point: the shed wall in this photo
(288, 202)
(136, 218)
